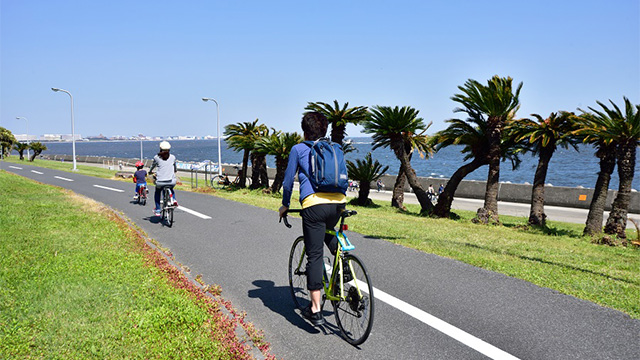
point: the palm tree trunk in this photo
(363, 193)
(21, 153)
(337, 133)
(617, 221)
(596, 209)
(255, 172)
(443, 207)
(281, 167)
(489, 212)
(264, 176)
(405, 161)
(537, 215)
(245, 163)
(397, 198)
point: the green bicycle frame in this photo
(329, 284)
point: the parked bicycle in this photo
(345, 283)
(224, 181)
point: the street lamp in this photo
(25, 119)
(218, 120)
(73, 131)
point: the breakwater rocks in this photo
(518, 193)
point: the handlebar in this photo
(344, 214)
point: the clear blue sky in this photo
(143, 66)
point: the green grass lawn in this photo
(556, 257)
(76, 282)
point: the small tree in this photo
(37, 148)
(242, 137)
(365, 172)
(541, 138)
(6, 141)
(279, 145)
(20, 147)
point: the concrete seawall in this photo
(519, 193)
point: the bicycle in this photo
(167, 206)
(223, 181)
(347, 285)
(142, 194)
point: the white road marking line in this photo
(36, 172)
(108, 188)
(61, 178)
(15, 167)
(440, 325)
(192, 212)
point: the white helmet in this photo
(165, 145)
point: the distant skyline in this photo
(143, 66)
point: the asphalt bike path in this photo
(427, 307)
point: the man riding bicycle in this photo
(320, 211)
(166, 175)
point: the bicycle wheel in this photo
(298, 274)
(217, 182)
(354, 315)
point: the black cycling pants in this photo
(315, 221)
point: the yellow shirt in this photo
(323, 198)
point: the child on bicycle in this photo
(166, 175)
(320, 211)
(140, 178)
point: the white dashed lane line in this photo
(36, 172)
(440, 325)
(187, 210)
(192, 212)
(108, 188)
(15, 167)
(61, 178)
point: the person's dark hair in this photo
(314, 125)
(164, 154)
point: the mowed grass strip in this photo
(557, 257)
(77, 283)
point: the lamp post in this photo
(27, 121)
(73, 131)
(140, 148)
(218, 120)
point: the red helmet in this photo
(139, 164)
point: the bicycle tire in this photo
(167, 210)
(217, 182)
(354, 315)
(297, 274)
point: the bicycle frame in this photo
(344, 246)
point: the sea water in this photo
(568, 167)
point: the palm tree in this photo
(241, 137)
(37, 148)
(497, 102)
(613, 127)
(542, 137)
(6, 141)
(401, 129)
(20, 148)
(471, 134)
(365, 172)
(339, 117)
(279, 144)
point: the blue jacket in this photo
(298, 163)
